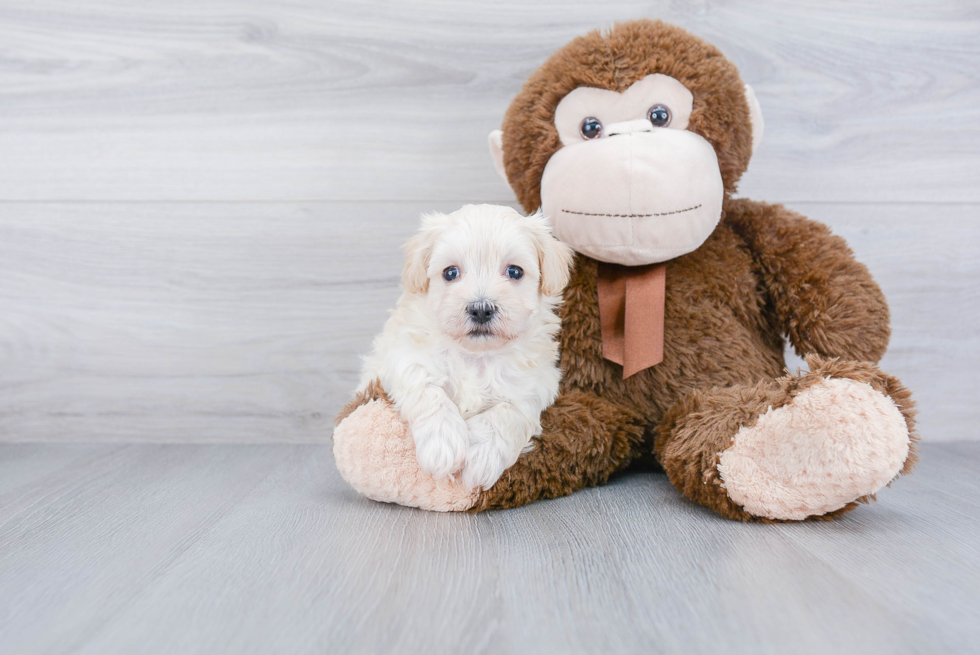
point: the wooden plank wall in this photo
(201, 203)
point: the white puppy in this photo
(469, 356)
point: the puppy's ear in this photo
(418, 252)
(414, 276)
(554, 257)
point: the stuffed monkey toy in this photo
(632, 141)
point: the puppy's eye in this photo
(515, 272)
(450, 274)
(591, 128)
(659, 116)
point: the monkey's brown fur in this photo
(765, 272)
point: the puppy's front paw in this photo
(485, 459)
(440, 444)
(484, 466)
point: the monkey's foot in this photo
(835, 441)
(375, 454)
(800, 447)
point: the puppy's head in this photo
(485, 271)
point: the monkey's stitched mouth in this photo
(676, 211)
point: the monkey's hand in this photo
(375, 453)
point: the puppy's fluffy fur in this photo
(471, 362)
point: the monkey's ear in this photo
(497, 152)
(755, 115)
(554, 256)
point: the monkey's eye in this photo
(515, 272)
(659, 116)
(450, 274)
(591, 128)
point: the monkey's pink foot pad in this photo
(837, 441)
(375, 454)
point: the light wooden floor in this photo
(263, 549)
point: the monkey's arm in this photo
(826, 301)
(584, 440)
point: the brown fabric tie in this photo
(631, 314)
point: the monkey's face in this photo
(630, 184)
(629, 141)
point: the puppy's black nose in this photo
(481, 311)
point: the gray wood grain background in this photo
(201, 203)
